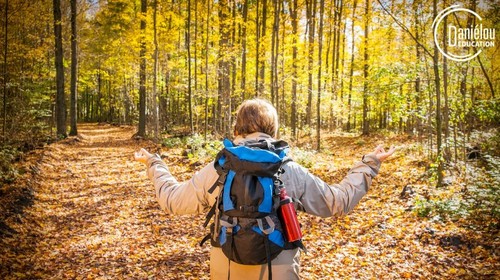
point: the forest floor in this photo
(84, 208)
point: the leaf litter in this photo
(93, 215)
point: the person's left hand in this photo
(142, 156)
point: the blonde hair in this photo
(256, 115)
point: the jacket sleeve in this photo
(321, 199)
(189, 197)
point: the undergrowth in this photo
(195, 146)
(8, 172)
(471, 196)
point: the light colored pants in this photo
(285, 266)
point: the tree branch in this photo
(405, 29)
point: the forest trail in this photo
(94, 216)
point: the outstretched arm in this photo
(187, 197)
(321, 199)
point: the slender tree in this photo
(338, 6)
(446, 118)
(338, 29)
(351, 71)
(74, 71)
(294, 18)
(320, 59)
(244, 51)
(188, 45)
(311, 23)
(99, 108)
(257, 47)
(233, 45)
(274, 53)
(262, 61)
(156, 121)
(223, 67)
(142, 72)
(5, 45)
(60, 97)
(366, 128)
(418, 55)
(206, 65)
(340, 72)
(437, 85)
(195, 45)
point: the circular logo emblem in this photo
(465, 38)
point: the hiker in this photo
(257, 120)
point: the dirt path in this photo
(94, 216)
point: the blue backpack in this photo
(246, 224)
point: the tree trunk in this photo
(274, 55)
(223, 66)
(417, 79)
(437, 85)
(142, 72)
(281, 103)
(311, 22)
(244, 51)
(60, 98)
(156, 121)
(336, 46)
(336, 86)
(167, 101)
(232, 44)
(195, 56)
(366, 128)
(293, 13)
(74, 72)
(99, 110)
(111, 105)
(5, 44)
(342, 58)
(127, 103)
(206, 67)
(262, 63)
(446, 152)
(330, 34)
(334, 52)
(338, 30)
(257, 47)
(320, 50)
(487, 77)
(188, 44)
(351, 71)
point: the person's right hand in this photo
(142, 156)
(381, 154)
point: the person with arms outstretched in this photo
(257, 122)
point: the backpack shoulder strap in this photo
(219, 167)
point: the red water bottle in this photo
(288, 217)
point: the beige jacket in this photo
(317, 197)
